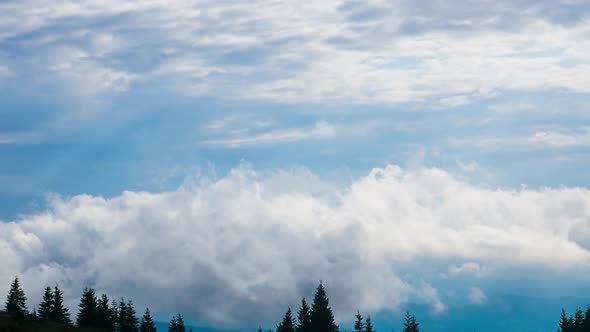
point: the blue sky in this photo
(131, 130)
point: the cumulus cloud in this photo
(242, 247)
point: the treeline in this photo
(98, 313)
(578, 322)
(94, 312)
(319, 318)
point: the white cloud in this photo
(321, 129)
(431, 295)
(321, 53)
(253, 244)
(84, 74)
(546, 139)
(477, 296)
(513, 107)
(470, 268)
(455, 101)
(470, 167)
(559, 140)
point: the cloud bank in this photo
(242, 247)
(366, 52)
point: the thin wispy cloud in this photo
(320, 130)
(560, 140)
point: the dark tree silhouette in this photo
(303, 317)
(104, 315)
(173, 327)
(578, 320)
(59, 313)
(288, 323)
(369, 325)
(115, 315)
(122, 316)
(359, 325)
(177, 324)
(322, 318)
(87, 309)
(132, 320)
(46, 305)
(180, 324)
(16, 301)
(586, 322)
(410, 323)
(127, 320)
(147, 322)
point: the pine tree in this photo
(563, 322)
(104, 316)
(46, 305)
(147, 322)
(303, 317)
(288, 323)
(87, 309)
(132, 321)
(59, 313)
(578, 320)
(180, 324)
(115, 315)
(369, 325)
(359, 325)
(586, 323)
(410, 323)
(173, 327)
(122, 316)
(16, 302)
(571, 323)
(322, 318)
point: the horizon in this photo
(218, 159)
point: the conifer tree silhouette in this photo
(46, 305)
(410, 323)
(180, 324)
(132, 320)
(16, 302)
(59, 313)
(578, 320)
(147, 322)
(288, 323)
(104, 315)
(303, 317)
(322, 318)
(359, 325)
(122, 316)
(369, 325)
(173, 327)
(87, 309)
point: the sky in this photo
(220, 158)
